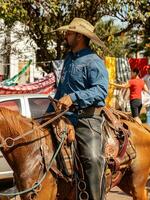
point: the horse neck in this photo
(27, 156)
(34, 159)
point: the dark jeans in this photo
(90, 144)
(136, 105)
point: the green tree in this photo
(106, 29)
(41, 17)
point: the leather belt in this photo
(90, 111)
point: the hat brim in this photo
(92, 36)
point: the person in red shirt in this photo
(136, 85)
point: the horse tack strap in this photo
(10, 142)
(124, 145)
(117, 126)
(123, 151)
(122, 115)
(115, 129)
(58, 173)
(116, 178)
(109, 115)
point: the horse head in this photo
(26, 148)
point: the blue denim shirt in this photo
(85, 78)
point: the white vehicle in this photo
(29, 105)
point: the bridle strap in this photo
(12, 140)
(38, 184)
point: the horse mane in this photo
(12, 121)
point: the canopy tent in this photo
(45, 85)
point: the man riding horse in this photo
(83, 88)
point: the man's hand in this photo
(65, 101)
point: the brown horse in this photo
(30, 156)
(28, 153)
(135, 178)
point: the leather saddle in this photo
(119, 150)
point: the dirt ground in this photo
(115, 194)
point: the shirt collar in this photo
(80, 53)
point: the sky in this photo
(116, 21)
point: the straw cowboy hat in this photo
(82, 26)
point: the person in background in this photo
(146, 96)
(136, 86)
(83, 86)
(146, 78)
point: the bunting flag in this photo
(140, 63)
(45, 85)
(12, 81)
(110, 63)
(123, 74)
(119, 71)
(57, 68)
(122, 99)
(123, 70)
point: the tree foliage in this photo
(116, 44)
(41, 17)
